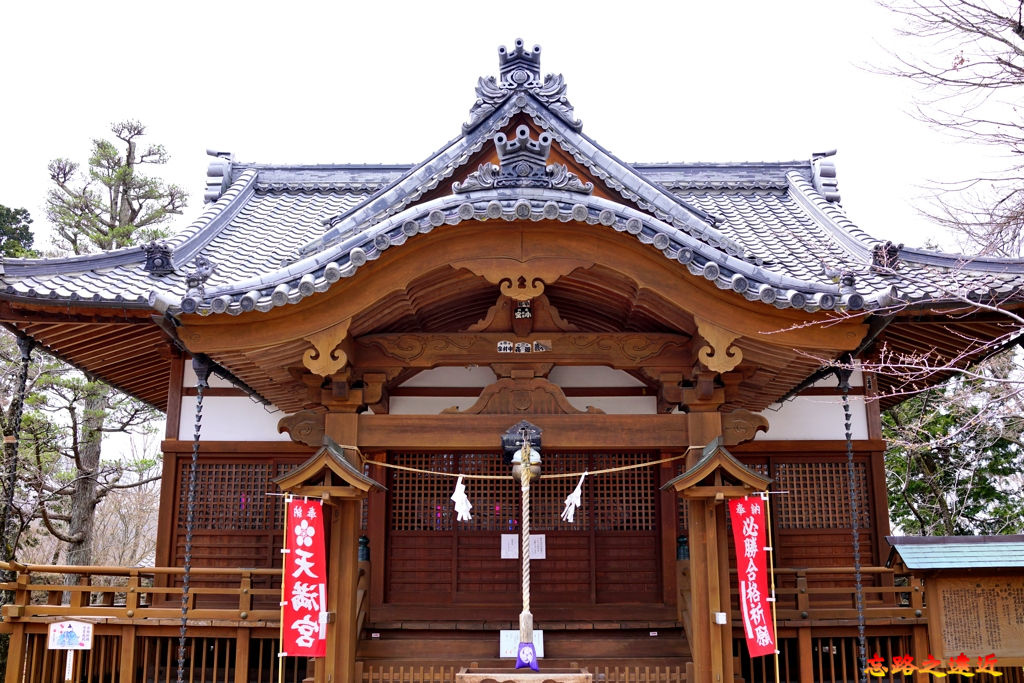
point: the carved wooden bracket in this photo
(742, 425)
(305, 426)
(326, 358)
(522, 396)
(719, 356)
(518, 280)
(543, 318)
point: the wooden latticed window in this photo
(432, 554)
(423, 504)
(818, 496)
(235, 522)
(229, 495)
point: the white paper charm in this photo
(462, 504)
(573, 501)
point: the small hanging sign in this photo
(510, 546)
(69, 635)
(748, 530)
(304, 598)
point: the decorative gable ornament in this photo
(158, 258)
(195, 282)
(885, 257)
(519, 71)
(523, 163)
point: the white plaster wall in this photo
(214, 381)
(472, 376)
(428, 405)
(477, 378)
(618, 405)
(814, 417)
(230, 418)
(591, 376)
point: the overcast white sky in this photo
(303, 82)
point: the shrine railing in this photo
(827, 595)
(141, 593)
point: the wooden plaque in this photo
(978, 616)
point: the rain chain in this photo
(201, 365)
(844, 386)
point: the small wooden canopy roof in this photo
(328, 474)
(718, 475)
(938, 553)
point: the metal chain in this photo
(844, 386)
(201, 365)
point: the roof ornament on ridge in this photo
(218, 175)
(158, 258)
(195, 281)
(824, 176)
(523, 163)
(519, 70)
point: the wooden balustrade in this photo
(130, 593)
(827, 596)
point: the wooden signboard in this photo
(978, 616)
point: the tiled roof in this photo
(782, 234)
(769, 231)
(958, 552)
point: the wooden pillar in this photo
(712, 642)
(344, 575)
(126, 668)
(15, 653)
(242, 637)
(700, 616)
(724, 588)
(376, 531)
(806, 655)
(343, 568)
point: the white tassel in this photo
(462, 504)
(573, 501)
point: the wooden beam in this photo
(483, 431)
(717, 492)
(617, 350)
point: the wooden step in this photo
(432, 645)
(604, 671)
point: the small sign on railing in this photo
(69, 635)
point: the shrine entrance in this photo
(610, 553)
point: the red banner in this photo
(304, 593)
(748, 529)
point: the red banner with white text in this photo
(748, 529)
(304, 592)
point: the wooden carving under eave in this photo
(518, 396)
(305, 426)
(326, 358)
(719, 355)
(500, 318)
(518, 280)
(741, 425)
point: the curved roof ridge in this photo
(188, 243)
(135, 253)
(428, 174)
(847, 233)
(943, 259)
(317, 271)
(862, 244)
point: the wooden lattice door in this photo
(610, 554)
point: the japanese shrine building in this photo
(634, 313)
